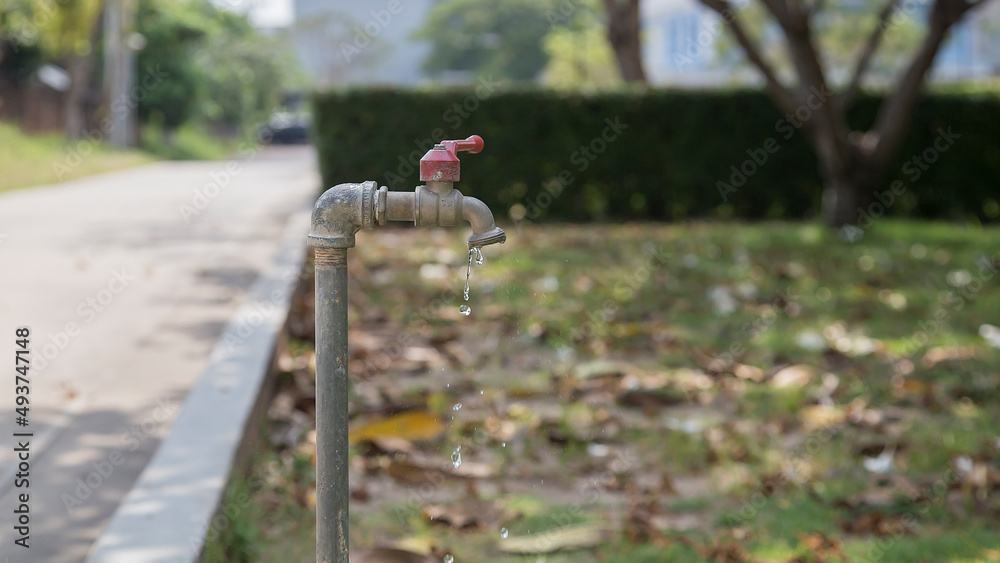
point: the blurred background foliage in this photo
(549, 43)
(217, 78)
(222, 71)
(499, 38)
(579, 55)
(842, 29)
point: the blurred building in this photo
(34, 102)
(973, 49)
(679, 45)
(354, 42)
(680, 36)
(360, 42)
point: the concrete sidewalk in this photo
(126, 281)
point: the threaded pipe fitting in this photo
(327, 257)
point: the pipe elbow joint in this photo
(341, 212)
(484, 228)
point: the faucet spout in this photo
(484, 229)
(428, 208)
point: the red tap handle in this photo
(473, 144)
(442, 165)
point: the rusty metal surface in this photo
(332, 487)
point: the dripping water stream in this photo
(474, 254)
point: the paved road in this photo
(125, 280)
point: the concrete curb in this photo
(170, 510)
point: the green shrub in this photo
(673, 150)
(187, 142)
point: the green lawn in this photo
(28, 160)
(691, 392)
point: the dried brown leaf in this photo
(797, 375)
(467, 514)
(577, 536)
(389, 555)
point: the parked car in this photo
(287, 128)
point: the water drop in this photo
(468, 273)
(465, 310)
(449, 559)
(456, 457)
(504, 533)
(457, 407)
(479, 256)
(504, 444)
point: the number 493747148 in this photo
(22, 363)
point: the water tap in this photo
(345, 209)
(438, 203)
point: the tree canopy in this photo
(220, 69)
(480, 36)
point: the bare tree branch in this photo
(778, 9)
(781, 95)
(867, 53)
(891, 122)
(826, 130)
(851, 164)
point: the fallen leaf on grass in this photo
(820, 416)
(577, 536)
(977, 475)
(391, 445)
(411, 425)
(420, 470)
(360, 493)
(602, 367)
(708, 362)
(944, 353)
(650, 399)
(878, 524)
(458, 354)
(797, 375)
(744, 371)
(471, 513)
(822, 548)
(475, 470)
(677, 522)
(389, 555)
(639, 527)
(721, 551)
(885, 490)
(364, 343)
(408, 472)
(990, 554)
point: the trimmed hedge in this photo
(658, 155)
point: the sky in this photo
(264, 13)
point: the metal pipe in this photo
(398, 207)
(332, 487)
(339, 214)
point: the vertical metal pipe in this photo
(332, 490)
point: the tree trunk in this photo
(623, 33)
(848, 190)
(841, 199)
(79, 70)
